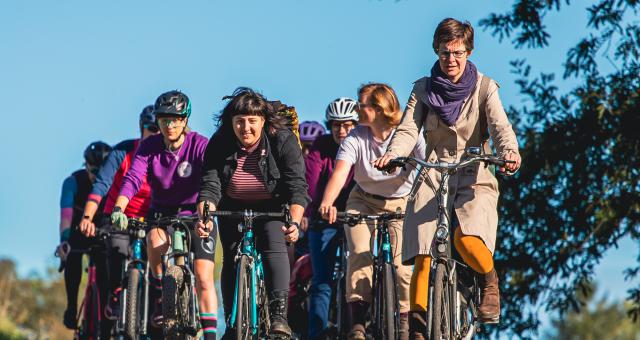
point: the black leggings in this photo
(269, 242)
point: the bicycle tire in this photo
(389, 302)
(95, 311)
(243, 315)
(174, 303)
(439, 328)
(132, 303)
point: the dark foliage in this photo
(578, 192)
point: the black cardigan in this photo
(281, 164)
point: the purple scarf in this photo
(445, 97)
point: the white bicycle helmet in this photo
(342, 109)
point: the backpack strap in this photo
(482, 96)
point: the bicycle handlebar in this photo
(351, 218)
(492, 159)
(248, 213)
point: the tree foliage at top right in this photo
(578, 192)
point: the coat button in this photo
(452, 152)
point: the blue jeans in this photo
(322, 249)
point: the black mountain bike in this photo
(339, 318)
(179, 299)
(385, 314)
(134, 306)
(454, 295)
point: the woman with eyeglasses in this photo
(172, 162)
(457, 107)
(375, 192)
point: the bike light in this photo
(141, 233)
(441, 234)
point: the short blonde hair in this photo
(384, 98)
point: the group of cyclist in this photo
(255, 160)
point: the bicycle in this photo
(338, 311)
(454, 293)
(250, 312)
(179, 299)
(132, 321)
(385, 314)
(89, 315)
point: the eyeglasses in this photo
(171, 121)
(456, 54)
(342, 125)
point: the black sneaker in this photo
(69, 319)
(113, 307)
(157, 317)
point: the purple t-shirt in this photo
(174, 177)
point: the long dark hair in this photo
(246, 101)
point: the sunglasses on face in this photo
(169, 121)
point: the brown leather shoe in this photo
(489, 310)
(417, 325)
(359, 312)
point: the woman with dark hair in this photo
(457, 107)
(255, 162)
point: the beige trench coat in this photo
(474, 190)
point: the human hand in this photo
(204, 229)
(328, 212)
(511, 167)
(87, 227)
(119, 219)
(291, 232)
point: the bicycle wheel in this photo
(95, 312)
(174, 303)
(243, 294)
(389, 302)
(132, 303)
(440, 313)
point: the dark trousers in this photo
(322, 248)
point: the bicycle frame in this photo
(247, 248)
(182, 257)
(137, 231)
(86, 307)
(442, 240)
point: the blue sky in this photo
(78, 71)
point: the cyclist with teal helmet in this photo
(172, 162)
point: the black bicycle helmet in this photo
(96, 153)
(173, 103)
(148, 118)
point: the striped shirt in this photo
(247, 182)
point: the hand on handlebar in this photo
(87, 227)
(119, 219)
(512, 166)
(203, 229)
(384, 163)
(291, 232)
(328, 212)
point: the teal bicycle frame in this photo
(247, 248)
